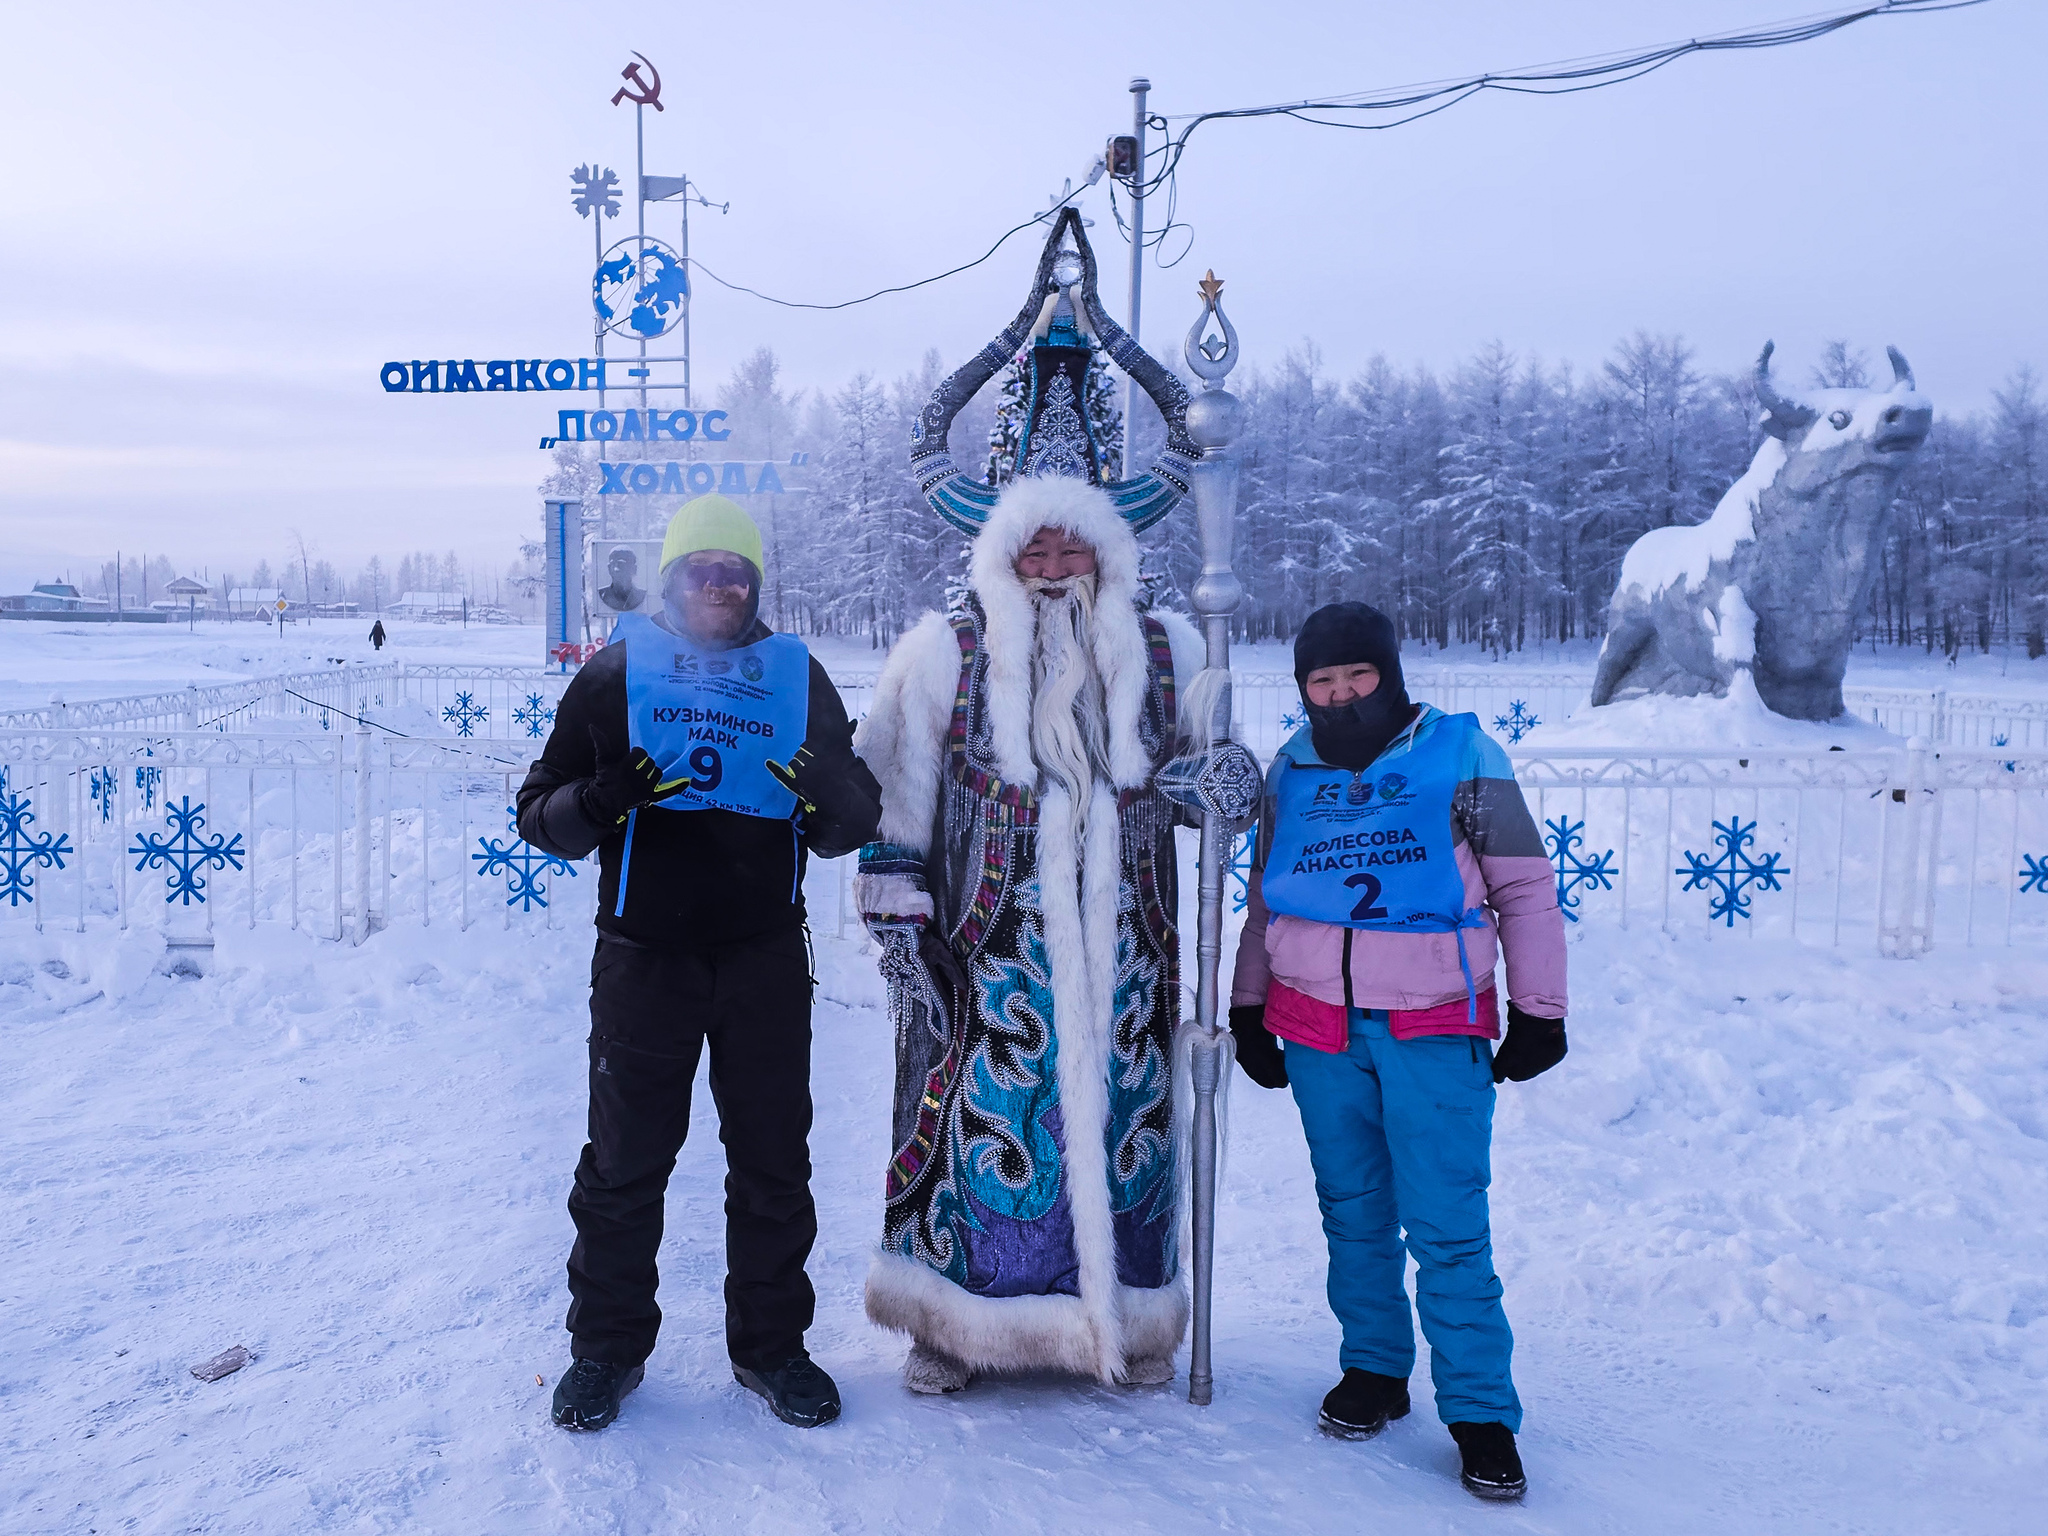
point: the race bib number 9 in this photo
(713, 719)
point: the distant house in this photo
(52, 597)
(254, 602)
(184, 595)
(428, 605)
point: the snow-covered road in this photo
(1773, 1238)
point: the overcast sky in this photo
(220, 219)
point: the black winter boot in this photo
(798, 1390)
(1359, 1406)
(1493, 1470)
(587, 1396)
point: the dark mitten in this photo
(939, 958)
(1532, 1046)
(621, 786)
(1264, 1062)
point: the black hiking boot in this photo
(1359, 1406)
(798, 1390)
(587, 1396)
(1493, 1470)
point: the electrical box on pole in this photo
(1122, 157)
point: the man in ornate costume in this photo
(1024, 892)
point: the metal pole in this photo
(1139, 86)
(640, 216)
(1214, 419)
(689, 292)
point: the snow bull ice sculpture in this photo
(1772, 583)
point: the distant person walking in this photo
(705, 758)
(377, 634)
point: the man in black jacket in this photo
(704, 757)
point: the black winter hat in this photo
(1352, 735)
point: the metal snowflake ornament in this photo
(465, 714)
(1241, 870)
(522, 864)
(22, 850)
(536, 714)
(105, 783)
(148, 778)
(186, 852)
(1574, 869)
(1517, 722)
(1730, 872)
(2034, 874)
(596, 192)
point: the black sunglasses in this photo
(718, 573)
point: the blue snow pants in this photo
(1400, 1135)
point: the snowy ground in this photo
(1774, 1249)
(1773, 1240)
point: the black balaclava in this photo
(1352, 735)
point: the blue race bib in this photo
(715, 718)
(1372, 849)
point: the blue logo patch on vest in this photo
(715, 718)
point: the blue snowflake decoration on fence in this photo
(1517, 722)
(105, 783)
(1574, 869)
(2034, 876)
(147, 779)
(1730, 872)
(1293, 720)
(522, 864)
(535, 714)
(186, 852)
(465, 714)
(1241, 870)
(2003, 739)
(22, 850)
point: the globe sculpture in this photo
(640, 288)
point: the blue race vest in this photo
(715, 718)
(1373, 849)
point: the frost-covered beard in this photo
(1069, 720)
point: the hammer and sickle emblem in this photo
(648, 95)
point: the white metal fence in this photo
(306, 802)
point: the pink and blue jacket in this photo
(1306, 972)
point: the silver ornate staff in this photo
(1214, 418)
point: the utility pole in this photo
(1139, 86)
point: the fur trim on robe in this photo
(903, 740)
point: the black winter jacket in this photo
(700, 878)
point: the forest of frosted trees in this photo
(1490, 505)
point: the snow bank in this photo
(1772, 1238)
(1741, 719)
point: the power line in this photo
(1563, 77)
(1560, 78)
(879, 292)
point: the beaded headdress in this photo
(1063, 317)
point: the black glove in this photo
(941, 961)
(1532, 1046)
(1258, 1052)
(622, 786)
(793, 776)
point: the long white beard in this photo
(1069, 719)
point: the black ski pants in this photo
(651, 1013)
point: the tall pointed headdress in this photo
(1061, 315)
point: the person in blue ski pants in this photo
(1400, 1133)
(1396, 866)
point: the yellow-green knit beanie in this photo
(711, 522)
